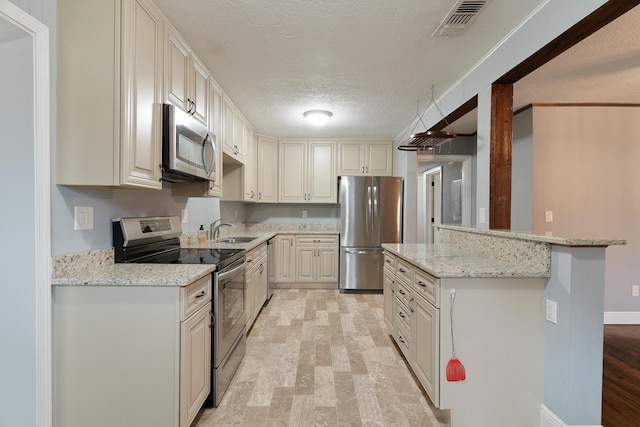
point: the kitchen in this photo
(114, 203)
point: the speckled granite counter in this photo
(97, 267)
(471, 252)
(261, 232)
(446, 261)
(136, 275)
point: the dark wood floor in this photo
(621, 376)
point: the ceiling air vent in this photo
(458, 18)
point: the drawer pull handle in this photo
(402, 270)
(401, 314)
(424, 285)
(401, 339)
(200, 294)
(401, 292)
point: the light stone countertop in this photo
(97, 267)
(445, 261)
(540, 236)
(136, 275)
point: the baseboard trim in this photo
(622, 317)
(549, 419)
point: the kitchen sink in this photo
(236, 239)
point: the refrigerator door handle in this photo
(370, 211)
(374, 216)
(363, 251)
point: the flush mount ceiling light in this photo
(318, 117)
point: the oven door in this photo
(188, 148)
(229, 308)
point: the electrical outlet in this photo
(551, 312)
(482, 216)
(635, 290)
(185, 216)
(83, 217)
(548, 216)
(304, 213)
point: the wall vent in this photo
(459, 18)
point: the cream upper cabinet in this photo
(307, 172)
(267, 166)
(365, 158)
(250, 165)
(186, 78)
(234, 130)
(215, 126)
(112, 51)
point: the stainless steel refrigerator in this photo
(370, 215)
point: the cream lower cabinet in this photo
(389, 288)
(317, 258)
(131, 355)
(307, 172)
(109, 93)
(285, 261)
(255, 283)
(425, 348)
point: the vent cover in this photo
(459, 18)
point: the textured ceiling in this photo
(368, 61)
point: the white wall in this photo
(18, 287)
(585, 171)
(522, 171)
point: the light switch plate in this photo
(482, 216)
(551, 312)
(83, 217)
(548, 216)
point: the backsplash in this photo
(67, 265)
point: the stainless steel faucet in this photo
(215, 229)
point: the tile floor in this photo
(322, 358)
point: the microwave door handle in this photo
(208, 168)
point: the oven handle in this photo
(229, 273)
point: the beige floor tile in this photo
(322, 358)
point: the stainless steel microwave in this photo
(188, 147)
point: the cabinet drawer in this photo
(427, 286)
(389, 262)
(404, 271)
(402, 338)
(316, 240)
(403, 314)
(403, 293)
(255, 255)
(194, 296)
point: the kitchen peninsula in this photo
(520, 368)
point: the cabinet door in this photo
(195, 364)
(285, 258)
(292, 170)
(250, 166)
(176, 68)
(215, 126)
(142, 95)
(267, 165)
(199, 91)
(351, 155)
(229, 121)
(305, 263)
(326, 263)
(260, 295)
(426, 352)
(322, 178)
(249, 286)
(389, 292)
(379, 158)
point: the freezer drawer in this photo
(361, 268)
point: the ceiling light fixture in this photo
(318, 117)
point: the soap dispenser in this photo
(202, 235)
